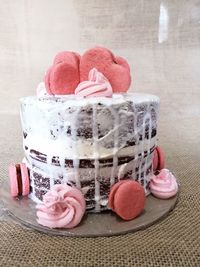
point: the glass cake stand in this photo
(22, 210)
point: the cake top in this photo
(98, 72)
(71, 100)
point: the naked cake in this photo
(88, 143)
(91, 143)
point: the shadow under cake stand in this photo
(106, 223)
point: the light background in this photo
(161, 41)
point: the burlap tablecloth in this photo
(174, 241)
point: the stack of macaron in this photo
(19, 180)
(69, 69)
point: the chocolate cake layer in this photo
(89, 143)
(84, 163)
(141, 171)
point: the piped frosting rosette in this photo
(164, 185)
(97, 85)
(62, 207)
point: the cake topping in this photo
(115, 69)
(63, 76)
(127, 199)
(69, 68)
(158, 159)
(97, 85)
(163, 185)
(62, 207)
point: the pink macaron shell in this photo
(113, 191)
(155, 160)
(129, 200)
(13, 180)
(161, 158)
(122, 62)
(119, 85)
(64, 78)
(67, 56)
(77, 56)
(25, 179)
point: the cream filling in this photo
(64, 148)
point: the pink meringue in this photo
(62, 207)
(164, 185)
(97, 85)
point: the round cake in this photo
(90, 143)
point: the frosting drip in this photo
(96, 86)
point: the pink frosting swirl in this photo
(62, 207)
(97, 85)
(164, 185)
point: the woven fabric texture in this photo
(174, 241)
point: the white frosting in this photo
(41, 90)
(85, 148)
(53, 127)
(89, 174)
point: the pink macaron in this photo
(127, 199)
(19, 180)
(63, 76)
(158, 159)
(115, 69)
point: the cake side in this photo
(88, 143)
(91, 143)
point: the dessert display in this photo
(89, 145)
